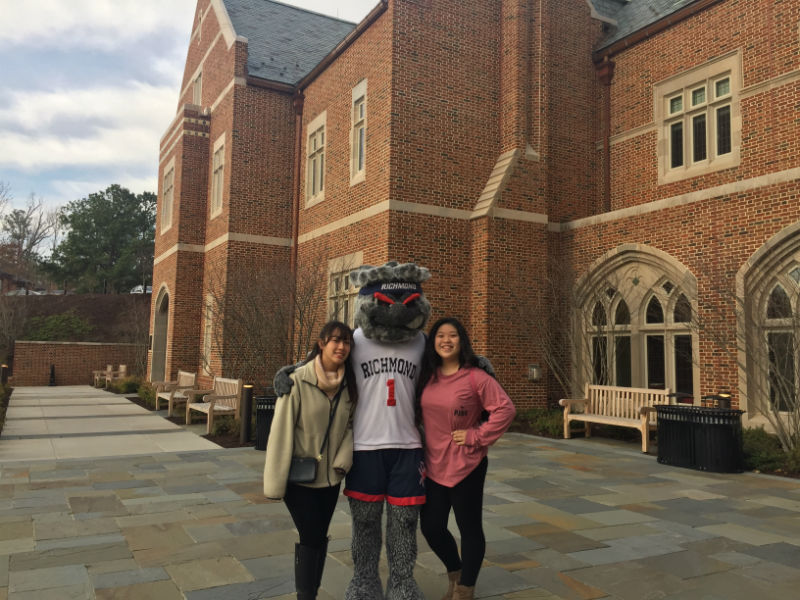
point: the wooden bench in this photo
(173, 392)
(120, 373)
(224, 399)
(100, 375)
(621, 406)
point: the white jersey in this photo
(386, 376)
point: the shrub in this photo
(127, 385)
(539, 421)
(148, 394)
(5, 394)
(65, 327)
(225, 425)
(762, 451)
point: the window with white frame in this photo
(167, 196)
(358, 133)
(341, 293)
(217, 175)
(197, 90)
(315, 160)
(697, 113)
(639, 333)
(780, 313)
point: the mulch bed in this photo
(228, 440)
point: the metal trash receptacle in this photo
(718, 440)
(675, 436)
(265, 410)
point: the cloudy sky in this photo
(88, 87)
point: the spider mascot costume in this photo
(390, 313)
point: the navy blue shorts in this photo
(394, 474)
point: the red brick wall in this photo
(74, 361)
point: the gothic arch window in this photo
(639, 323)
(769, 329)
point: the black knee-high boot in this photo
(307, 570)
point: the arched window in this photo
(639, 324)
(780, 333)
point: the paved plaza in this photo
(565, 519)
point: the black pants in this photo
(312, 511)
(466, 500)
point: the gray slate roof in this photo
(634, 15)
(284, 42)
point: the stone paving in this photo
(564, 519)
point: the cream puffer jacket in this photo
(298, 428)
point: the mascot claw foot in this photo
(366, 551)
(401, 553)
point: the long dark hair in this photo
(432, 361)
(338, 329)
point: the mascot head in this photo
(391, 306)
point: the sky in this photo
(88, 87)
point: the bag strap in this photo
(330, 421)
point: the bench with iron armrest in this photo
(223, 399)
(174, 392)
(610, 405)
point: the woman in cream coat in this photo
(298, 429)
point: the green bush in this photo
(547, 422)
(65, 327)
(148, 394)
(126, 385)
(5, 394)
(225, 425)
(763, 451)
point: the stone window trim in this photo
(341, 293)
(315, 159)
(635, 274)
(208, 333)
(168, 196)
(691, 101)
(358, 133)
(217, 177)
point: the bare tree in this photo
(5, 195)
(12, 321)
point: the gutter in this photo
(652, 29)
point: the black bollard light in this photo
(52, 375)
(247, 412)
(4, 374)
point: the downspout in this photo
(605, 73)
(297, 103)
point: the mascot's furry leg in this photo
(366, 550)
(401, 553)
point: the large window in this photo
(168, 196)
(315, 160)
(217, 176)
(639, 330)
(697, 115)
(780, 339)
(341, 293)
(358, 133)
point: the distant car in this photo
(140, 289)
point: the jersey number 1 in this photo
(390, 401)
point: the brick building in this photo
(607, 189)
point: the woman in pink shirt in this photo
(454, 395)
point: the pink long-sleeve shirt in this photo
(452, 402)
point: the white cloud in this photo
(90, 23)
(111, 126)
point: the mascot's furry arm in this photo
(282, 382)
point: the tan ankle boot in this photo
(464, 592)
(453, 577)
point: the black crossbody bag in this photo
(304, 468)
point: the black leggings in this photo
(466, 500)
(312, 511)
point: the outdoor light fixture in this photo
(534, 372)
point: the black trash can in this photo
(675, 436)
(265, 410)
(707, 439)
(718, 440)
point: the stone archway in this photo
(160, 326)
